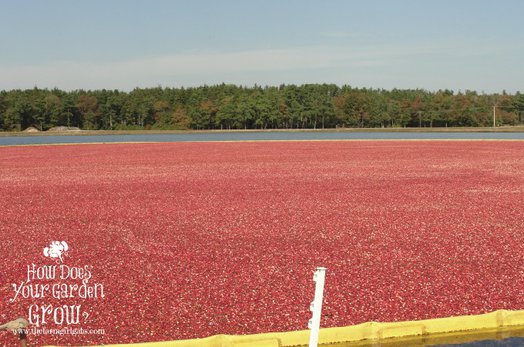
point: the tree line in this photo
(308, 106)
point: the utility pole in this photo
(494, 116)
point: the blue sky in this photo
(93, 44)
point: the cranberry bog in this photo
(171, 241)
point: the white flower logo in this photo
(56, 249)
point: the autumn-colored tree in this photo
(181, 120)
(87, 105)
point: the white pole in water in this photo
(316, 306)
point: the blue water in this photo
(256, 136)
(509, 342)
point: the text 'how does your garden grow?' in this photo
(57, 293)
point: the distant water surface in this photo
(258, 136)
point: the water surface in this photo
(259, 136)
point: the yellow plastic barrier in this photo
(372, 331)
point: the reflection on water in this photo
(489, 338)
(509, 342)
(257, 136)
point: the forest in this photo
(308, 106)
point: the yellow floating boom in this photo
(370, 332)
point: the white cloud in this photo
(127, 74)
(332, 64)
